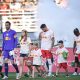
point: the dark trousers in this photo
(1, 74)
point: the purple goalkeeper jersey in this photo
(9, 40)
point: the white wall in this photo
(61, 20)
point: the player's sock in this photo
(76, 69)
(47, 64)
(16, 68)
(50, 66)
(50, 69)
(1, 75)
(6, 69)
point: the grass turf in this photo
(60, 77)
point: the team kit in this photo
(37, 56)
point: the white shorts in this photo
(37, 61)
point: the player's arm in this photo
(3, 43)
(74, 47)
(53, 41)
(40, 37)
(15, 40)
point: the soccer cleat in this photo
(17, 76)
(67, 75)
(75, 73)
(26, 75)
(5, 77)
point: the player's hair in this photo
(61, 42)
(76, 30)
(31, 43)
(8, 22)
(43, 26)
(23, 36)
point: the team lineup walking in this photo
(37, 56)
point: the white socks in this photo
(50, 66)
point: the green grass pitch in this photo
(60, 77)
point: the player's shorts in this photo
(6, 54)
(46, 54)
(0, 68)
(23, 55)
(78, 56)
(76, 59)
(63, 65)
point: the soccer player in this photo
(62, 54)
(24, 48)
(76, 49)
(9, 47)
(47, 41)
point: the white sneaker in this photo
(49, 74)
(17, 76)
(79, 73)
(5, 77)
(75, 73)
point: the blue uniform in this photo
(9, 43)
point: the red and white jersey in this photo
(59, 52)
(77, 39)
(36, 54)
(24, 49)
(46, 39)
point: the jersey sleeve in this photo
(15, 39)
(29, 40)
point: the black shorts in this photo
(0, 68)
(76, 59)
(23, 55)
(37, 65)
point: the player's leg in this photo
(50, 67)
(15, 66)
(47, 64)
(43, 70)
(76, 65)
(65, 68)
(21, 65)
(29, 63)
(79, 60)
(1, 74)
(49, 56)
(30, 69)
(58, 68)
(6, 58)
(66, 72)
(38, 69)
(45, 61)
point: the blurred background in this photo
(62, 16)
